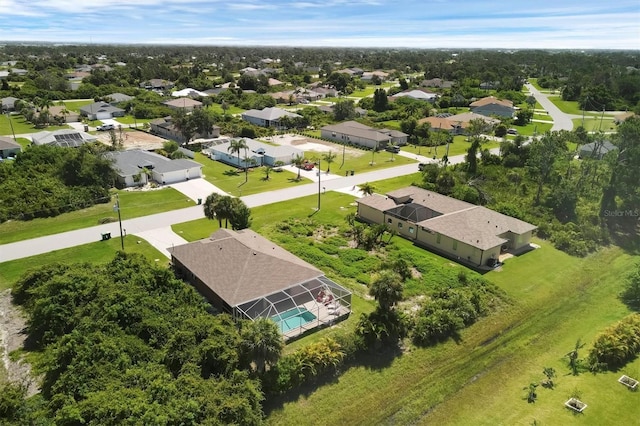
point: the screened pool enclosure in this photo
(301, 307)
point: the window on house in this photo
(399, 224)
(333, 134)
(411, 229)
(438, 239)
(455, 245)
(389, 220)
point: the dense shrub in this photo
(617, 345)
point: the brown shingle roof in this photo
(8, 143)
(491, 100)
(378, 202)
(242, 266)
(183, 103)
(437, 202)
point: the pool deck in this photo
(323, 314)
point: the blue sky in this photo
(584, 24)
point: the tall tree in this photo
(298, 161)
(344, 110)
(329, 158)
(386, 288)
(239, 214)
(236, 146)
(367, 188)
(543, 154)
(212, 208)
(261, 343)
(380, 101)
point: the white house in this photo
(267, 117)
(137, 167)
(257, 153)
(101, 111)
(354, 133)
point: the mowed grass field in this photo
(556, 300)
(132, 203)
(98, 252)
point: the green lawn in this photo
(556, 299)
(75, 106)
(217, 108)
(133, 204)
(458, 147)
(334, 207)
(232, 181)
(534, 83)
(533, 128)
(24, 142)
(360, 161)
(129, 119)
(594, 124)
(20, 125)
(100, 251)
(368, 91)
(391, 124)
(569, 107)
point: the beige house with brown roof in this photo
(470, 234)
(185, 104)
(493, 106)
(248, 276)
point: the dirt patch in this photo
(12, 337)
(312, 144)
(134, 139)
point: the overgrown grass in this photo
(360, 160)
(133, 204)
(101, 251)
(73, 105)
(478, 380)
(595, 124)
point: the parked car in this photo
(106, 127)
(512, 132)
(421, 166)
(393, 148)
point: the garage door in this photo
(103, 115)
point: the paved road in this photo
(561, 121)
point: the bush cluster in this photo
(617, 345)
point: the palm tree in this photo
(224, 209)
(261, 343)
(298, 161)
(212, 208)
(236, 146)
(367, 188)
(386, 288)
(329, 158)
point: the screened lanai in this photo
(300, 308)
(248, 276)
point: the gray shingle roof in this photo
(242, 266)
(8, 143)
(353, 128)
(97, 107)
(129, 163)
(270, 114)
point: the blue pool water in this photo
(293, 318)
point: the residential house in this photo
(137, 167)
(443, 124)
(354, 133)
(189, 92)
(8, 104)
(184, 104)
(596, 150)
(268, 117)
(473, 235)
(9, 147)
(491, 105)
(164, 127)
(116, 98)
(250, 277)
(418, 94)
(437, 83)
(360, 112)
(63, 114)
(157, 84)
(101, 111)
(368, 75)
(256, 154)
(66, 138)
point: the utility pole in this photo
(11, 124)
(117, 208)
(319, 174)
(601, 118)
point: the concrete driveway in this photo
(197, 188)
(162, 239)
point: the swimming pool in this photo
(293, 318)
